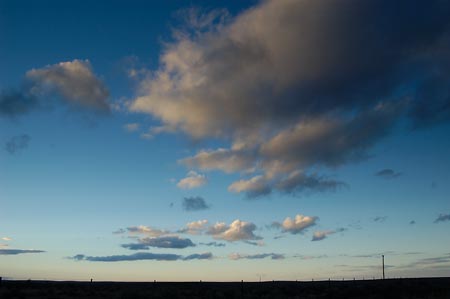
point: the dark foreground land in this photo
(389, 288)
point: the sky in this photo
(224, 140)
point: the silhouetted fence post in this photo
(242, 287)
(0, 281)
(382, 257)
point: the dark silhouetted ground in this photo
(429, 288)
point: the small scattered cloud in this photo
(388, 173)
(237, 231)
(6, 239)
(297, 225)
(72, 81)
(141, 256)
(192, 180)
(160, 242)
(19, 251)
(131, 127)
(146, 230)
(380, 219)
(194, 227)
(119, 231)
(17, 143)
(273, 256)
(254, 187)
(16, 102)
(255, 243)
(442, 218)
(198, 256)
(412, 222)
(196, 203)
(320, 235)
(213, 244)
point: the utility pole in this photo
(382, 257)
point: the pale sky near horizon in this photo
(224, 140)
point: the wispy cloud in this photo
(273, 256)
(320, 235)
(196, 203)
(17, 143)
(388, 173)
(142, 256)
(431, 262)
(380, 219)
(19, 251)
(14, 103)
(442, 218)
(214, 244)
(131, 127)
(160, 242)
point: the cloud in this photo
(380, 219)
(273, 256)
(160, 242)
(146, 230)
(16, 102)
(193, 180)
(18, 251)
(141, 256)
(412, 222)
(17, 143)
(194, 227)
(295, 182)
(296, 84)
(442, 218)
(6, 238)
(254, 187)
(297, 225)
(194, 204)
(320, 235)
(73, 81)
(237, 231)
(432, 262)
(215, 244)
(196, 256)
(131, 127)
(388, 173)
(227, 160)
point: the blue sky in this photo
(200, 139)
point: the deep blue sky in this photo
(192, 140)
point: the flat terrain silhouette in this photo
(390, 288)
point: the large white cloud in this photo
(294, 84)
